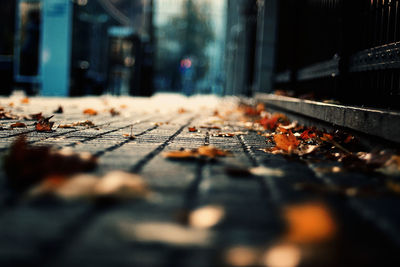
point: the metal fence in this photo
(343, 49)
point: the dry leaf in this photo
(25, 100)
(7, 116)
(114, 112)
(114, 185)
(44, 125)
(181, 154)
(121, 185)
(192, 129)
(211, 152)
(286, 142)
(90, 112)
(308, 134)
(59, 110)
(18, 125)
(201, 152)
(26, 165)
(273, 121)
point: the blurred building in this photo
(241, 35)
(190, 37)
(63, 47)
(7, 22)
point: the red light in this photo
(186, 63)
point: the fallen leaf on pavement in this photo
(18, 125)
(90, 112)
(113, 185)
(44, 125)
(181, 154)
(286, 142)
(210, 152)
(121, 185)
(192, 129)
(114, 112)
(26, 165)
(59, 110)
(273, 121)
(7, 116)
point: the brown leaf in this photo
(271, 122)
(18, 125)
(181, 154)
(37, 116)
(90, 112)
(59, 110)
(286, 142)
(192, 129)
(121, 185)
(201, 152)
(7, 116)
(26, 165)
(44, 125)
(114, 112)
(211, 152)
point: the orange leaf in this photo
(18, 125)
(327, 137)
(308, 134)
(286, 142)
(44, 125)
(25, 100)
(271, 122)
(192, 129)
(309, 223)
(201, 152)
(90, 112)
(211, 152)
(181, 154)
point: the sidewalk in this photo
(250, 208)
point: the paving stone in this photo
(158, 231)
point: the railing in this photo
(343, 49)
